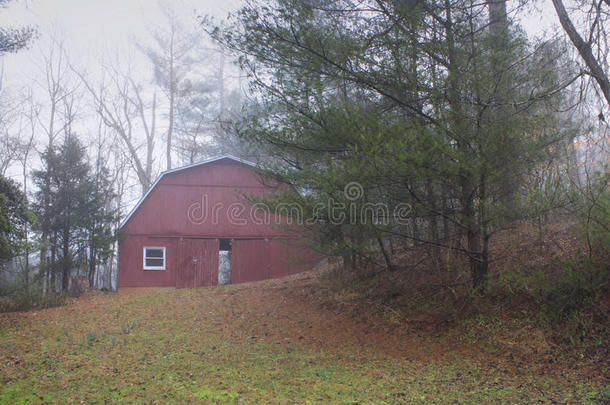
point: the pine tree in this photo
(72, 207)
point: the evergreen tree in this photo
(99, 224)
(14, 39)
(73, 208)
(14, 214)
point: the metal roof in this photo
(204, 162)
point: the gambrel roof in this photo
(178, 169)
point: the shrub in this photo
(582, 284)
(591, 204)
(26, 302)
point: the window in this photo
(154, 258)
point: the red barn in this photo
(196, 214)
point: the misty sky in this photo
(91, 27)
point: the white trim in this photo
(145, 267)
(205, 162)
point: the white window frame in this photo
(153, 267)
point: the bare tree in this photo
(176, 50)
(120, 103)
(592, 44)
(10, 143)
(27, 147)
(192, 76)
(60, 89)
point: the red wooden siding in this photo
(260, 259)
(249, 260)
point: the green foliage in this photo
(571, 307)
(533, 283)
(582, 283)
(15, 215)
(429, 115)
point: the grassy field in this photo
(267, 343)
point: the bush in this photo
(26, 302)
(15, 296)
(581, 286)
(591, 204)
(582, 283)
(571, 306)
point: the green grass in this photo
(245, 345)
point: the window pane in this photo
(154, 252)
(154, 262)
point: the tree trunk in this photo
(43, 265)
(92, 260)
(433, 225)
(65, 262)
(384, 252)
(170, 128)
(52, 268)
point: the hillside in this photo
(269, 342)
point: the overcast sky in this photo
(91, 27)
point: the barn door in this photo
(197, 263)
(250, 260)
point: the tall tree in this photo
(177, 56)
(127, 110)
(55, 116)
(108, 185)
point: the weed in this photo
(125, 329)
(91, 339)
(218, 397)
(581, 285)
